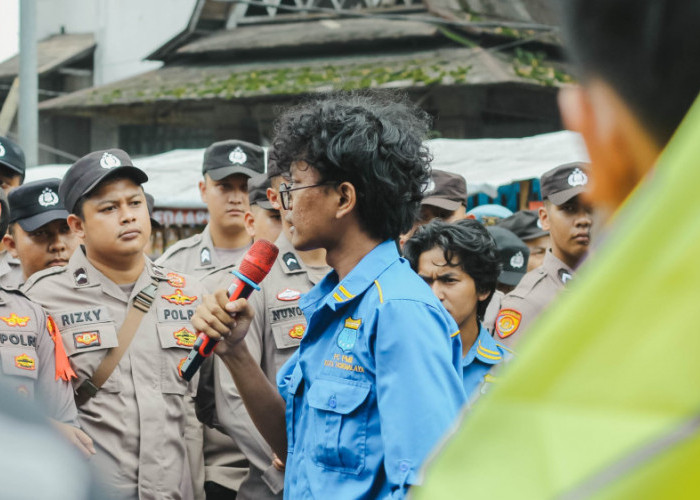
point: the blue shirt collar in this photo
(485, 349)
(336, 295)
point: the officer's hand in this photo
(223, 320)
(277, 463)
(76, 437)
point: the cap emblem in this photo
(237, 156)
(2, 150)
(429, 187)
(577, 178)
(108, 160)
(517, 261)
(48, 198)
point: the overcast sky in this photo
(9, 28)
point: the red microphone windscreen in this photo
(258, 260)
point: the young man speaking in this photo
(376, 380)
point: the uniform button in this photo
(331, 402)
(403, 467)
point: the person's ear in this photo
(77, 225)
(347, 199)
(249, 222)
(274, 198)
(544, 218)
(10, 245)
(203, 190)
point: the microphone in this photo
(256, 263)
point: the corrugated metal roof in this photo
(202, 82)
(52, 53)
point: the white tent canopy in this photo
(485, 163)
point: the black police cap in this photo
(257, 191)
(36, 203)
(225, 158)
(86, 173)
(525, 224)
(12, 156)
(564, 182)
(513, 254)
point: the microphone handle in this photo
(204, 346)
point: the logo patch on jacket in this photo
(288, 295)
(87, 339)
(15, 320)
(175, 280)
(184, 337)
(507, 322)
(179, 298)
(348, 336)
(290, 260)
(80, 277)
(25, 362)
(297, 331)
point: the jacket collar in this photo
(336, 294)
(485, 349)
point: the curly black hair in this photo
(372, 139)
(465, 243)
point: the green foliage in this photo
(532, 65)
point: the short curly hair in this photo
(372, 139)
(466, 244)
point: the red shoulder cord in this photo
(63, 367)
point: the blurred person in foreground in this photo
(376, 381)
(461, 265)
(12, 170)
(614, 414)
(262, 220)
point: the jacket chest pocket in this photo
(339, 422)
(86, 347)
(177, 340)
(20, 367)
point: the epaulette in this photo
(39, 275)
(180, 245)
(528, 282)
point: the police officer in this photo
(111, 298)
(274, 336)
(33, 361)
(262, 221)
(514, 256)
(568, 219)
(12, 167)
(527, 226)
(38, 235)
(226, 168)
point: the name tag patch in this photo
(93, 315)
(285, 313)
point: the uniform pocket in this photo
(86, 346)
(20, 368)
(288, 334)
(177, 340)
(339, 420)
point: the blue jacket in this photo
(375, 384)
(483, 355)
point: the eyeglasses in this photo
(286, 192)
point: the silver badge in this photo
(108, 160)
(2, 150)
(578, 178)
(205, 257)
(237, 156)
(517, 261)
(429, 187)
(48, 198)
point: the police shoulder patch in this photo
(507, 322)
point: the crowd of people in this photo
(388, 312)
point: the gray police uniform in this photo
(11, 275)
(138, 418)
(272, 338)
(534, 292)
(225, 464)
(28, 357)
